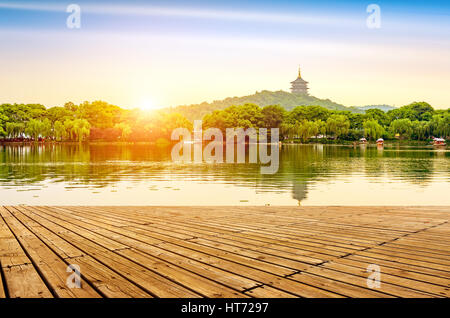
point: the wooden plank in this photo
(361, 282)
(147, 280)
(52, 268)
(232, 280)
(11, 253)
(103, 278)
(412, 256)
(400, 271)
(262, 277)
(199, 284)
(257, 263)
(391, 279)
(73, 224)
(400, 265)
(388, 247)
(61, 247)
(23, 281)
(221, 276)
(340, 287)
(109, 235)
(302, 247)
(422, 262)
(288, 244)
(107, 281)
(297, 262)
(268, 292)
(125, 251)
(254, 262)
(228, 251)
(2, 288)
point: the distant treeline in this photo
(417, 121)
(88, 121)
(101, 121)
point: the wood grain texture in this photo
(224, 251)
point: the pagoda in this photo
(299, 86)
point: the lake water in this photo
(146, 175)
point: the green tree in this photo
(69, 128)
(34, 128)
(287, 130)
(403, 127)
(55, 114)
(314, 128)
(440, 124)
(302, 130)
(71, 107)
(162, 125)
(125, 130)
(356, 120)
(14, 130)
(273, 116)
(3, 121)
(244, 116)
(46, 128)
(377, 114)
(99, 114)
(322, 126)
(418, 111)
(372, 129)
(338, 125)
(420, 129)
(59, 131)
(415, 111)
(82, 129)
(311, 113)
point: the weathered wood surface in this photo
(224, 251)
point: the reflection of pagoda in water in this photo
(299, 190)
(299, 86)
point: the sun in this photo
(147, 104)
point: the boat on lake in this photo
(439, 142)
(380, 141)
(363, 141)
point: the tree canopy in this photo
(99, 120)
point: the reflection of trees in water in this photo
(408, 165)
(300, 165)
(32, 164)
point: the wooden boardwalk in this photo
(224, 251)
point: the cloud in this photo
(396, 23)
(198, 13)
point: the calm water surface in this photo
(145, 175)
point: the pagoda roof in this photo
(299, 80)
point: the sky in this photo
(168, 53)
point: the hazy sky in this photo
(166, 53)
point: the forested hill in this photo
(384, 108)
(263, 98)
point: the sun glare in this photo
(147, 105)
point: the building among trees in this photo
(299, 86)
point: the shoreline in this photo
(125, 143)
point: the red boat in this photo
(439, 142)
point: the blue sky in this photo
(131, 52)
